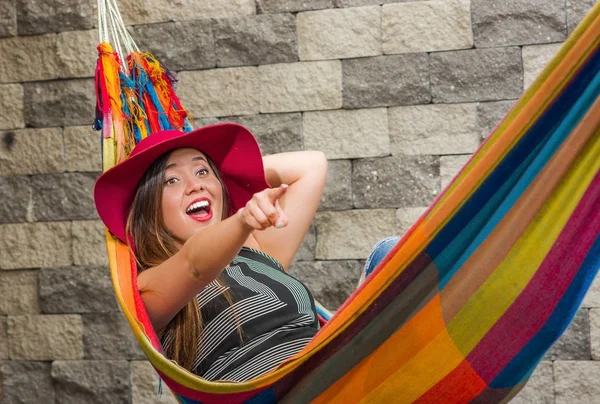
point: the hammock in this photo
(465, 306)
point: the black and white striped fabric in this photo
(276, 314)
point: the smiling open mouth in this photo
(200, 210)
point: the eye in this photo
(171, 181)
(202, 172)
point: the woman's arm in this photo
(305, 173)
(168, 287)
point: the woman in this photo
(214, 226)
(212, 241)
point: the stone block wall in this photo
(397, 93)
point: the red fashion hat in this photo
(231, 147)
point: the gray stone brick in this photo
(540, 387)
(306, 251)
(60, 103)
(63, 196)
(518, 22)
(395, 182)
(144, 385)
(386, 80)
(82, 149)
(137, 12)
(275, 133)
(347, 133)
(476, 75)
(184, 45)
(11, 105)
(576, 10)
(77, 290)
(91, 382)
(535, 59)
(24, 382)
(19, 292)
(360, 3)
(45, 338)
(77, 53)
(88, 243)
(31, 151)
(341, 33)
(338, 187)
(3, 343)
(434, 129)
(427, 26)
(574, 344)
(351, 234)
(406, 217)
(201, 122)
(28, 58)
(16, 196)
(331, 282)
(39, 17)
(576, 382)
(594, 333)
(108, 336)
(220, 92)
(35, 245)
(8, 18)
(450, 167)
(489, 115)
(285, 6)
(256, 40)
(592, 298)
(308, 86)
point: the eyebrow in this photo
(197, 158)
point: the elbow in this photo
(323, 163)
(319, 160)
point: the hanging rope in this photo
(134, 91)
(112, 30)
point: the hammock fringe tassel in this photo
(134, 99)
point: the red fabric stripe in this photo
(140, 308)
(102, 99)
(553, 278)
(152, 114)
(461, 386)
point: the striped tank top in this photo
(275, 311)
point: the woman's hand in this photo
(263, 210)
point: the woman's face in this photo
(192, 195)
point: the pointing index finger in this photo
(276, 193)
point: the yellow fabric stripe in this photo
(505, 284)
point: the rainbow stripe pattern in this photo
(465, 306)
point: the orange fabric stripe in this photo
(420, 373)
(374, 370)
(118, 255)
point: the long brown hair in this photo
(154, 244)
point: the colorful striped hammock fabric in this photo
(468, 302)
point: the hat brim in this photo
(231, 147)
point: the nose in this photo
(194, 185)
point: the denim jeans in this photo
(379, 252)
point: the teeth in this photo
(197, 205)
